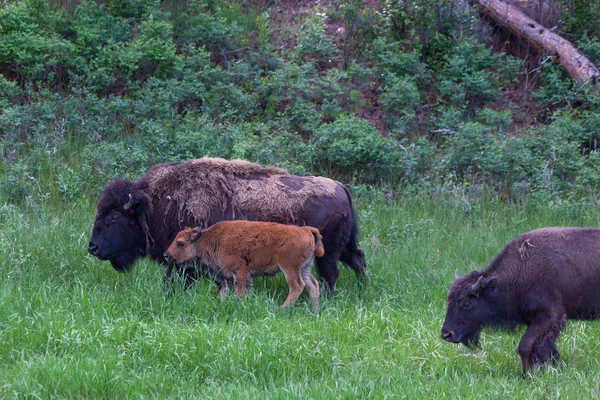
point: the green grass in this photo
(70, 326)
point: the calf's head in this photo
(117, 234)
(470, 308)
(182, 249)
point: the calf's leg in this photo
(238, 267)
(311, 284)
(294, 280)
(241, 277)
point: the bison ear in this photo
(198, 233)
(491, 283)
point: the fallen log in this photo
(575, 63)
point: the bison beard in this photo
(471, 339)
(205, 191)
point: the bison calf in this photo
(540, 279)
(246, 248)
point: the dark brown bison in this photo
(247, 248)
(540, 279)
(138, 219)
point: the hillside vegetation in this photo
(375, 93)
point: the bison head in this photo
(118, 235)
(470, 308)
(182, 249)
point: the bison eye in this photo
(114, 217)
(180, 244)
(466, 304)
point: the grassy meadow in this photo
(72, 327)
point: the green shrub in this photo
(428, 27)
(31, 52)
(361, 27)
(590, 46)
(94, 28)
(400, 98)
(315, 45)
(472, 76)
(207, 27)
(389, 57)
(154, 43)
(351, 147)
(151, 52)
(71, 183)
(300, 98)
(107, 161)
(581, 18)
(131, 8)
(9, 91)
(16, 183)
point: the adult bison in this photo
(137, 219)
(540, 279)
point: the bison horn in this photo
(129, 203)
(456, 275)
(477, 285)
(195, 238)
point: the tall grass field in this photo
(72, 327)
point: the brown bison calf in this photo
(247, 248)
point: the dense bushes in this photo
(396, 96)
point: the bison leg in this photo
(545, 349)
(538, 344)
(238, 267)
(544, 352)
(356, 261)
(294, 280)
(312, 285)
(168, 273)
(190, 277)
(328, 271)
(240, 278)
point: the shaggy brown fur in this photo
(247, 248)
(206, 184)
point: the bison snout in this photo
(93, 248)
(448, 335)
(168, 257)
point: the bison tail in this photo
(352, 245)
(319, 249)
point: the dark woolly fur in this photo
(493, 316)
(205, 191)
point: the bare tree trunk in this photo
(572, 60)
